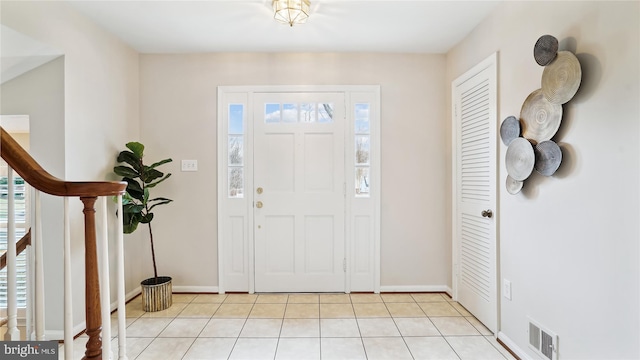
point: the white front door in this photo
(475, 123)
(299, 192)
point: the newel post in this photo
(92, 283)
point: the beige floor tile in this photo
(342, 348)
(134, 309)
(210, 349)
(405, 310)
(430, 348)
(378, 327)
(240, 299)
(473, 347)
(199, 310)
(301, 328)
(183, 298)
(254, 349)
(166, 348)
(421, 326)
(439, 309)
(298, 349)
(184, 328)
(336, 311)
(460, 308)
(258, 328)
(171, 312)
(386, 349)
(272, 299)
(366, 298)
(268, 311)
(134, 346)
(223, 328)
(302, 311)
(233, 311)
(79, 347)
(335, 299)
(304, 299)
(429, 297)
(147, 327)
(114, 325)
(209, 298)
(342, 328)
(404, 298)
(371, 310)
(479, 326)
(500, 348)
(454, 326)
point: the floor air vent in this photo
(543, 341)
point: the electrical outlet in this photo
(506, 289)
(189, 165)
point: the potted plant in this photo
(137, 206)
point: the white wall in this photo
(178, 115)
(569, 243)
(101, 114)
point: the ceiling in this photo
(414, 26)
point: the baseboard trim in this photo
(512, 346)
(415, 288)
(195, 289)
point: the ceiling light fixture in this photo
(291, 11)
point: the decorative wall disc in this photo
(520, 159)
(548, 157)
(540, 118)
(561, 78)
(513, 186)
(545, 49)
(509, 130)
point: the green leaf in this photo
(160, 199)
(126, 172)
(147, 218)
(131, 159)
(160, 203)
(146, 196)
(149, 174)
(132, 209)
(137, 148)
(155, 165)
(159, 181)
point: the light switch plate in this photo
(506, 289)
(189, 165)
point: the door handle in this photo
(259, 190)
(259, 204)
(487, 213)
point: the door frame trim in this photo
(351, 95)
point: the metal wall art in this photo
(529, 139)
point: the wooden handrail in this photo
(22, 163)
(20, 246)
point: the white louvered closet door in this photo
(475, 122)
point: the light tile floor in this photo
(305, 326)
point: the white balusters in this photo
(12, 289)
(68, 307)
(105, 294)
(36, 237)
(122, 338)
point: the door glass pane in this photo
(236, 150)
(362, 115)
(236, 117)
(236, 182)
(362, 181)
(307, 112)
(325, 113)
(362, 150)
(271, 113)
(289, 113)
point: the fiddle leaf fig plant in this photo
(137, 202)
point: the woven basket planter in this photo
(156, 293)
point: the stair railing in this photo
(97, 297)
